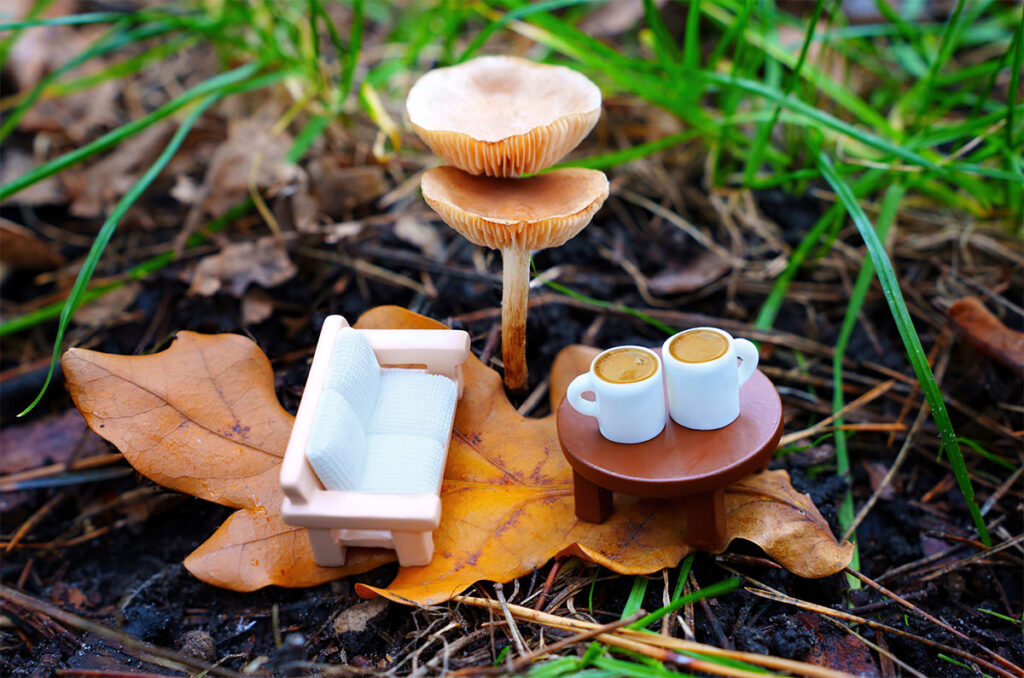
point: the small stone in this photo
(198, 644)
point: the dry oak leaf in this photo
(201, 417)
(987, 333)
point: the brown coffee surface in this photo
(625, 366)
(698, 346)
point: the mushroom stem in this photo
(514, 295)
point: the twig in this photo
(1001, 490)
(647, 639)
(548, 583)
(35, 519)
(973, 557)
(536, 395)
(922, 416)
(10, 481)
(524, 661)
(860, 402)
(882, 652)
(499, 590)
(845, 616)
(925, 615)
(133, 646)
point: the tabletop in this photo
(679, 460)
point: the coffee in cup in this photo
(625, 365)
(629, 394)
(704, 370)
(698, 346)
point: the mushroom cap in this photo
(503, 116)
(530, 213)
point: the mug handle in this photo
(575, 392)
(748, 353)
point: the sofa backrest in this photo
(337, 442)
(354, 372)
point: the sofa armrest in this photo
(298, 481)
(442, 351)
(339, 509)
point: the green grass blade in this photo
(70, 20)
(911, 342)
(764, 130)
(1014, 86)
(37, 8)
(691, 43)
(519, 13)
(355, 44)
(126, 67)
(636, 597)
(811, 240)
(716, 589)
(628, 155)
(950, 38)
(886, 217)
(107, 230)
(104, 44)
(826, 119)
(684, 572)
(219, 82)
(619, 667)
(640, 315)
(147, 267)
(665, 44)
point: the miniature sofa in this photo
(367, 452)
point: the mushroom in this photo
(503, 116)
(515, 216)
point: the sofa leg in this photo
(413, 548)
(327, 550)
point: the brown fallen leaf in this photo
(50, 191)
(109, 309)
(257, 306)
(111, 177)
(22, 250)
(987, 333)
(41, 50)
(340, 188)
(202, 418)
(241, 264)
(249, 141)
(705, 269)
(52, 440)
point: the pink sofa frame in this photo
(337, 518)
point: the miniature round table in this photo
(679, 462)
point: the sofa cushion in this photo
(402, 464)
(414, 403)
(337, 443)
(354, 372)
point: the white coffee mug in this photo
(705, 395)
(630, 412)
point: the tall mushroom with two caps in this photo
(495, 119)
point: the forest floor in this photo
(105, 544)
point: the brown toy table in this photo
(679, 462)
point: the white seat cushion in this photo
(337, 443)
(402, 464)
(354, 372)
(414, 403)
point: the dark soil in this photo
(129, 575)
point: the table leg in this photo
(705, 520)
(593, 503)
